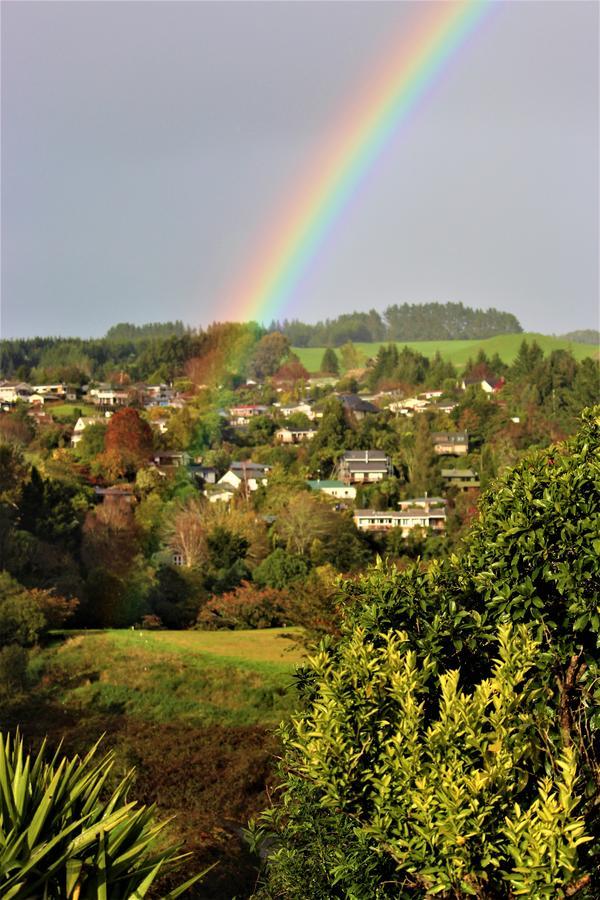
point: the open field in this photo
(458, 352)
(192, 711)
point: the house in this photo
(170, 459)
(357, 407)
(409, 406)
(109, 397)
(158, 395)
(241, 415)
(364, 466)
(12, 392)
(249, 474)
(81, 424)
(56, 390)
(450, 443)
(119, 495)
(294, 435)
(203, 474)
(406, 519)
(219, 493)
(305, 408)
(332, 488)
(426, 503)
(463, 479)
(491, 384)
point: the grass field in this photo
(64, 411)
(193, 711)
(458, 352)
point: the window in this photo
(178, 559)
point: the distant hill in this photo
(584, 336)
(407, 322)
(458, 352)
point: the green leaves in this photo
(60, 837)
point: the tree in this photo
(185, 534)
(270, 351)
(92, 441)
(330, 364)
(424, 474)
(280, 569)
(350, 356)
(129, 438)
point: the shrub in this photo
(395, 783)
(59, 839)
(246, 607)
(13, 668)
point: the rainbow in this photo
(299, 231)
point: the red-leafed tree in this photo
(129, 437)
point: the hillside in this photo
(206, 702)
(458, 352)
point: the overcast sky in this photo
(147, 147)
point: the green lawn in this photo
(66, 410)
(458, 352)
(231, 678)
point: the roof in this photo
(357, 404)
(247, 467)
(331, 483)
(356, 465)
(365, 456)
(456, 473)
(429, 500)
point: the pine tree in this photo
(330, 363)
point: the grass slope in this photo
(192, 711)
(458, 352)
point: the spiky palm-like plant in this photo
(65, 836)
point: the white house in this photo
(294, 435)
(249, 474)
(336, 489)
(364, 466)
(81, 424)
(406, 519)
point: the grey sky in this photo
(147, 146)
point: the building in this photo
(463, 479)
(294, 435)
(81, 424)
(11, 392)
(336, 489)
(450, 443)
(306, 408)
(364, 466)
(491, 384)
(109, 397)
(170, 459)
(430, 518)
(357, 407)
(248, 474)
(241, 415)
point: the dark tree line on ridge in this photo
(408, 322)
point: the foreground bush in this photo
(448, 744)
(60, 839)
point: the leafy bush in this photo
(59, 839)
(246, 607)
(13, 668)
(395, 783)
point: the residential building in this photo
(451, 443)
(241, 415)
(294, 435)
(82, 423)
(11, 392)
(406, 519)
(463, 479)
(170, 459)
(109, 397)
(249, 474)
(357, 407)
(336, 489)
(364, 466)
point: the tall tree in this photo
(330, 364)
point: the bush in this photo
(395, 782)
(59, 839)
(13, 668)
(246, 607)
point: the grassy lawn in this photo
(458, 352)
(230, 678)
(65, 411)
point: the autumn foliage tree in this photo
(128, 441)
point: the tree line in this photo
(407, 322)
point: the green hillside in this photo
(458, 352)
